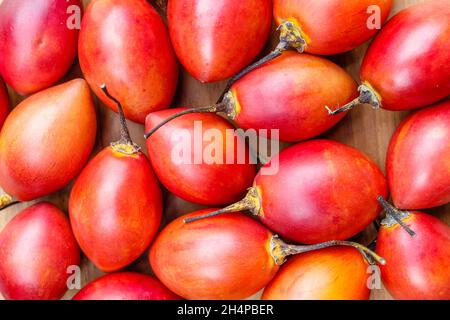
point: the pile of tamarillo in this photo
(288, 232)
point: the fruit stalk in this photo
(366, 96)
(125, 145)
(215, 108)
(251, 202)
(281, 250)
(291, 37)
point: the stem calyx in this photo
(5, 200)
(229, 103)
(395, 216)
(291, 37)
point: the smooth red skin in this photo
(418, 159)
(224, 36)
(46, 140)
(290, 94)
(224, 257)
(125, 45)
(416, 268)
(343, 24)
(4, 102)
(323, 191)
(125, 286)
(37, 46)
(408, 63)
(337, 273)
(115, 208)
(208, 184)
(37, 247)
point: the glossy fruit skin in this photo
(324, 190)
(203, 183)
(46, 140)
(37, 47)
(409, 61)
(37, 247)
(4, 102)
(115, 208)
(125, 286)
(290, 94)
(337, 273)
(224, 257)
(343, 24)
(418, 159)
(416, 268)
(224, 35)
(117, 34)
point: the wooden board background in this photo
(363, 128)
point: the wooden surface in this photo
(363, 128)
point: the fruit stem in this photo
(274, 54)
(372, 244)
(251, 202)
(7, 201)
(291, 37)
(396, 214)
(219, 107)
(124, 133)
(280, 250)
(366, 96)
(125, 145)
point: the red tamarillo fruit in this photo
(323, 190)
(215, 39)
(338, 273)
(117, 34)
(116, 204)
(125, 286)
(36, 248)
(417, 162)
(46, 140)
(225, 257)
(4, 102)
(418, 255)
(343, 26)
(288, 94)
(39, 42)
(214, 182)
(408, 64)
